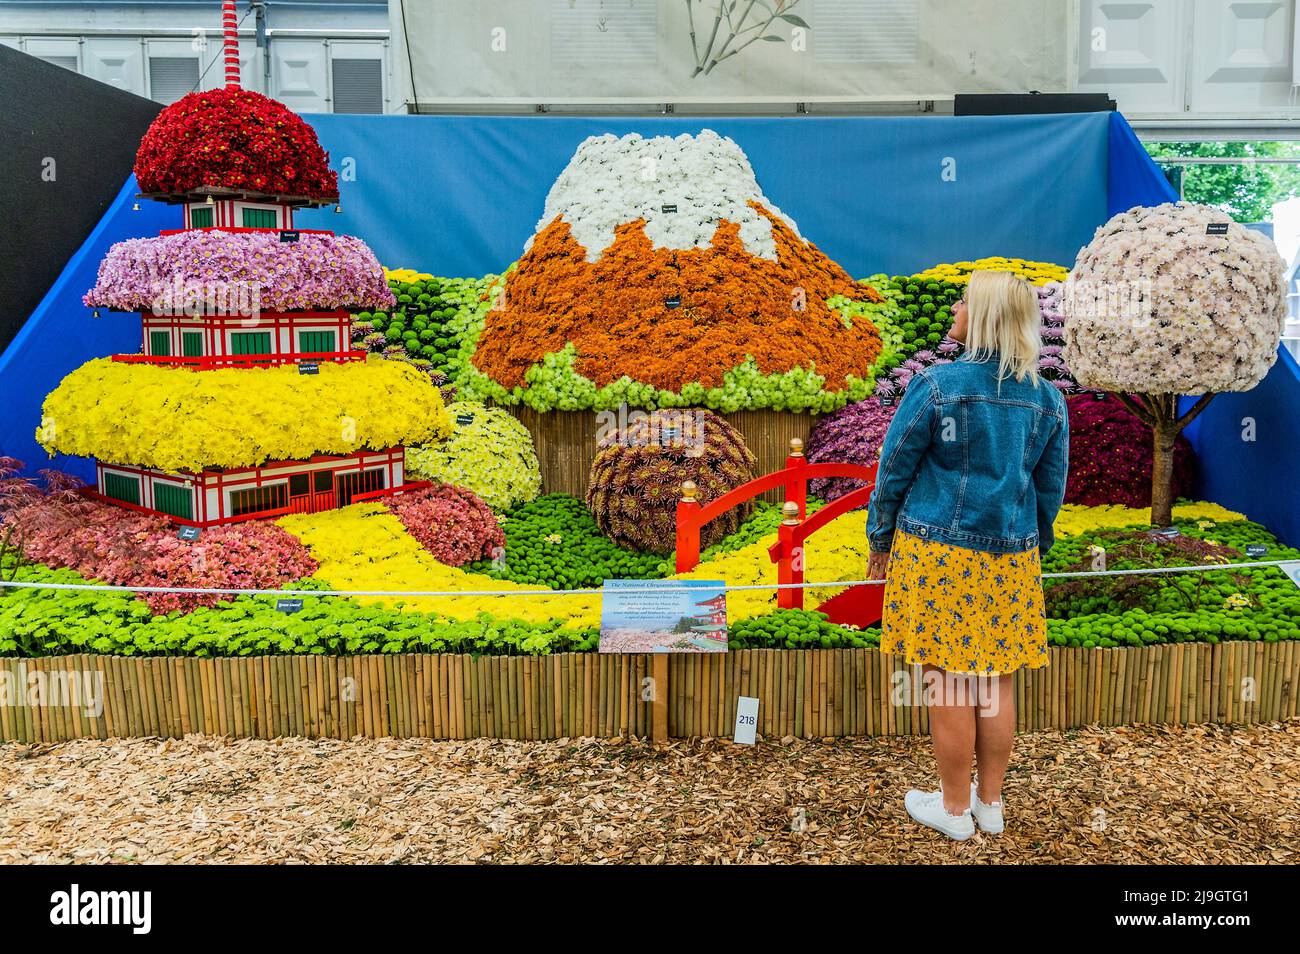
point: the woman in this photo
(971, 475)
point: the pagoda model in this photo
(709, 622)
(246, 400)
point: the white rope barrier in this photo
(666, 585)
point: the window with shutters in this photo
(173, 499)
(192, 344)
(171, 77)
(358, 85)
(201, 217)
(67, 62)
(259, 218)
(258, 499)
(121, 487)
(250, 342)
(315, 342)
(160, 343)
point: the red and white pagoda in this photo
(239, 287)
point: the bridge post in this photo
(789, 569)
(796, 491)
(688, 528)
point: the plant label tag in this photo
(886, 402)
(308, 367)
(288, 606)
(673, 302)
(1099, 395)
(1256, 550)
(1292, 569)
(290, 235)
(746, 720)
(464, 420)
(1169, 532)
(669, 208)
(189, 534)
(1216, 228)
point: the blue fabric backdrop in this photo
(460, 195)
(457, 195)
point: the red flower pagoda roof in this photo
(233, 139)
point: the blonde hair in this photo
(1002, 321)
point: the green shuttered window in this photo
(121, 487)
(259, 218)
(315, 342)
(250, 342)
(160, 343)
(177, 501)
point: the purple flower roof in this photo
(316, 272)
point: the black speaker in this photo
(1019, 104)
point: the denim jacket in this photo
(969, 462)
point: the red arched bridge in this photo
(857, 605)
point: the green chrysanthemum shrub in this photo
(488, 452)
(639, 469)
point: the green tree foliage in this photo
(1246, 191)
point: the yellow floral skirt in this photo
(965, 611)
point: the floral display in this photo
(421, 326)
(1170, 300)
(1157, 303)
(450, 522)
(45, 622)
(638, 472)
(1039, 273)
(486, 451)
(1255, 603)
(851, 435)
(318, 271)
(553, 541)
(1074, 519)
(183, 420)
(796, 629)
(669, 283)
(234, 139)
(1111, 455)
(365, 547)
(131, 549)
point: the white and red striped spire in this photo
(230, 43)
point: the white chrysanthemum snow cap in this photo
(612, 181)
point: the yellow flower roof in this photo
(177, 419)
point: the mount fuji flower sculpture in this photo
(1169, 300)
(660, 275)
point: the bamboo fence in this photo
(802, 693)
(566, 442)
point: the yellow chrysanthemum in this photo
(177, 419)
(1076, 518)
(1038, 273)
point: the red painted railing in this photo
(208, 362)
(691, 516)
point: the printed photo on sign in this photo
(663, 616)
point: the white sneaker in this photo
(988, 817)
(927, 808)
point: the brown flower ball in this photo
(639, 470)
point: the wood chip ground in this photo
(1132, 794)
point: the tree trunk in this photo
(1162, 471)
